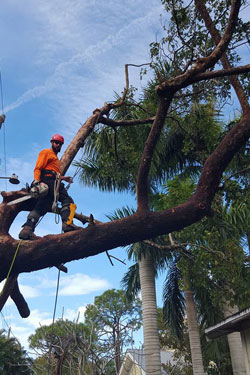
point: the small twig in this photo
(178, 123)
(109, 257)
(112, 256)
(236, 173)
(189, 94)
(119, 260)
(182, 246)
(140, 65)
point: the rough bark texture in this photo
(149, 314)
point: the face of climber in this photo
(56, 146)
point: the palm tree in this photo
(125, 144)
(149, 315)
(147, 271)
(141, 276)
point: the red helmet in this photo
(57, 137)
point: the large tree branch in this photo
(224, 59)
(7, 289)
(55, 249)
(113, 123)
(143, 172)
(222, 73)
(203, 63)
(88, 127)
(168, 89)
(20, 302)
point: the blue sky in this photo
(59, 61)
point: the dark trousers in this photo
(44, 204)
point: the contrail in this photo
(91, 52)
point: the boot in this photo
(69, 227)
(26, 233)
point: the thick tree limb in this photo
(224, 59)
(55, 249)
(203, 63)
(20, 302)
(222, 73)
(7, 289)
(143, 172)
(113, 123)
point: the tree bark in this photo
(149, 314)
(193, 328)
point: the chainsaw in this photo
(38, 190)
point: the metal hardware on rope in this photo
(54, 207)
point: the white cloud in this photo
(29, 291)
(74, 315)
(38, 318)
(79, 284)
(21, 167)
(22, 329)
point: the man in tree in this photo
(47, 179)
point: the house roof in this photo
(137, 356)
(234, 323)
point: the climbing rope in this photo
(53, 321)
(56, 197)
(1, 88)
(11, 266)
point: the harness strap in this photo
(49, 173)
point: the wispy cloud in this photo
(70, 66)
(70, 285)
(80, 284)
(29, 291)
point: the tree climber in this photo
(47, 171)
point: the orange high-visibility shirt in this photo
(47, 159)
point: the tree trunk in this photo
(235, 344)
(149, 314)
(117, 358)
(193, 329)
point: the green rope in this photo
(11, 266)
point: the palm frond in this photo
(121, 213)
(131, 282)
(173, 301)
